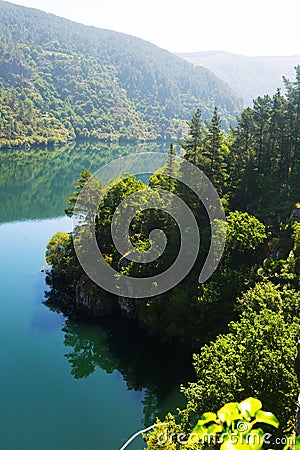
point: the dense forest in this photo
(247, 312)
(60, 80)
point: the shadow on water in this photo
(145, 363)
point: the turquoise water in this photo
(65, 385)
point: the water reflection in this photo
(36, 183)
(38, 391)
(144, 362)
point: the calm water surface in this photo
(64, 385)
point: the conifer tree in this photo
(193, 142)
(170, 168)
(215, 152)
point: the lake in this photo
(69, 385)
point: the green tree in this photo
(86, 202)
(84, 177)
(261, 113)
(216, 152)
(245, 233)
(115, 192)
(276, 298)
(56, 254)
(171, 167)
(61, 257)
(293, 117)
(193, 143)
(254, 359)
(296, 238)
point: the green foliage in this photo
(215, 305)
(193, 143)
(61, 80)
(282, 271)
(296, 238)
(59, 255)
(266, 295)
(205, 147)
(115, 192)
(196, 312)
(245, 233)
(216, 153)
(233, 427)
(256, 279)
(56, 248)
(165, 434)
(253, 359)
(264, 159)
(64, 268)
(84, 177)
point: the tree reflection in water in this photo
(114, 343)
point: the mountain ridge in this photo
(95, 83)
(249, 76)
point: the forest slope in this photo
(60, 80)
(249, 77)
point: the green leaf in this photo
(214, 429)
(267, 417)
(200, 431)
(250, 405)
(229, 412)
(255, 439)
(297, 443)
(207, 417)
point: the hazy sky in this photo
(256, 27)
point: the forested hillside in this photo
(248, 76)
(60, 80)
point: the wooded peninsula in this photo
(247, 313)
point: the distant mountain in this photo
(60, 80)
(249, 77)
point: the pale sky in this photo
(256, 27)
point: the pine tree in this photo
(88, 199)
(293, 96)
(261, 111)
(242, 144)
(193, 142)
(84, 177)
(170, 168)
(278, 146)
(215, 152)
